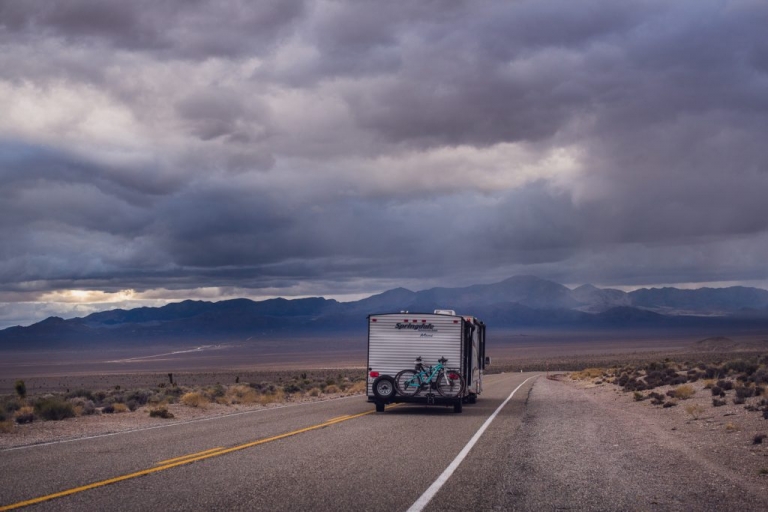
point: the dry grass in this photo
(27, 409)
(695, 410)
(25, 414)
(194, 399)
(588, 373)
(269, 398)
(732, 427)
(360, 386)
(241, 394)
(333, 388)
(120, 408)
(160, 412)
(684, 392)
(6, 427)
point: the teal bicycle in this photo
(448, 383)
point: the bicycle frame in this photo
(426, 377)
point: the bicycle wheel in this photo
(407, 383)
(450, 383)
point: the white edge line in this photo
(425, 498)
(197, 420)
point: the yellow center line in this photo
(339, 417)
(169, 465)
(188, 456)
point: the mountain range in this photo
(518, 302)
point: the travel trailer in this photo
(401, 341)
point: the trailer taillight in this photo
(374, 374)
(373, 319)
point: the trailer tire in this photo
(379, 407)
(457, 407)
(384, 388)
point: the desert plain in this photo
(584, 415)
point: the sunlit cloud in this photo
(87, 296)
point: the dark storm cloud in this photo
(25, 166)
(524, 71)
(222, 113)
(279, 145)
(196, 29)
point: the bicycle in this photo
(449, 383)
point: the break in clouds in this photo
(208, 149)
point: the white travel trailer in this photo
(396, 340)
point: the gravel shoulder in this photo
(587, 447)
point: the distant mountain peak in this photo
(398, 290)
(586, 287)
(53, 320)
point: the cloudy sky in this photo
(159, 150)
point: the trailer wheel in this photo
(384, 388)
(379, 407)
(457, 407)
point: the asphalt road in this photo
(335, 455)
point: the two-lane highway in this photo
(334, 455)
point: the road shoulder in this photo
(579, 450)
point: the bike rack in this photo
(430, 399)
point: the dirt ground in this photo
(65, 383)
(592, 447)
(723, 435)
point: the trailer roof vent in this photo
(445, 312)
